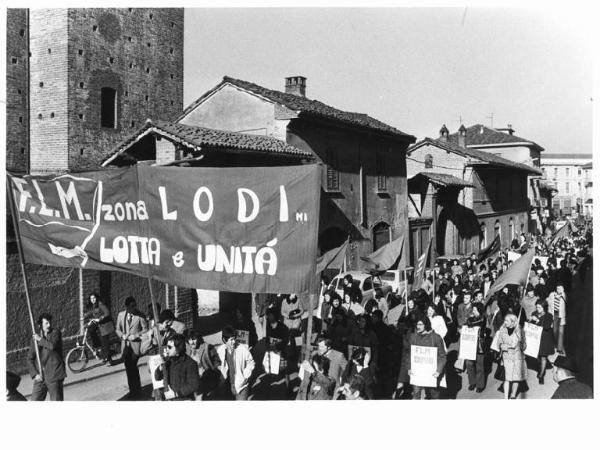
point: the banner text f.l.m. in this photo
(228, 229)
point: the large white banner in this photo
(468, 343)
(423, 364)
(533, 335)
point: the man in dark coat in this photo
(179, 371)
(49, 344)
(568, 387)
(130, 328)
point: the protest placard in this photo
(153, 362)
(513, 256)
(423, 364)
(495, 345)
(533, 335)
(233, 229)
(468, 343)
(271, 362)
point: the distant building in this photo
(364, 183)
(566, 172)
(505, 143)
(588, 198)
(478, 195)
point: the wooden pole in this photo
(157, 331)
(13, 213)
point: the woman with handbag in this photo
(511, 342)
(100, 325)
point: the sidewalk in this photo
(92, 372)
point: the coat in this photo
(244, 365)
(102, 314)
(137, 328)
(513, 358)
(571, 388)
(545, 321)
(51, 357)
(182, 376)
(316, 386)
(337, 364)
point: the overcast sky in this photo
(413, 68)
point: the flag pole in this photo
(156, 330)
(13, 213)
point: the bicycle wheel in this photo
(77, 359)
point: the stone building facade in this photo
(470, 218)
(79, 81)
(364, 184)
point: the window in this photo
(544, 171)
(482, 236)
(578, 172)
(381, 173)
(428, 161)
(556, 172)
(108, 108)
(567, 187)
(333, 176)
(566, 172)
(511, 229)
(381, 235)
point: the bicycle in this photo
(79, 356)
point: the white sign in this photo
(533, 335)
(495, 344)
(513, 256)
(271, 363)
(153, 362)
(423, 364)
(468, 343)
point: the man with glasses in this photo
(179, 371)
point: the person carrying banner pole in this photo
(15, 221)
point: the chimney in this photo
(444, 133)
(296, 85)
(462, 137)
(508, 129)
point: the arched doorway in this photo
(381, 235)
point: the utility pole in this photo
(491, 117)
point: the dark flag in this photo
(421, 266)
(490, 250)
(387, 256)
(562, 232)
(333, 259)
(517, 273)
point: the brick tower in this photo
(92, 77)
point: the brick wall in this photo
(17, 88)
(136, 51)
(49, 117)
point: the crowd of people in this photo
(360, 350)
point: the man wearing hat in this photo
(568, 387)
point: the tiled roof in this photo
(481, 135)
(442, 179)
(587, 166)
(307, 107)
(480, 155)
(200, 137)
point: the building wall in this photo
(17, 89)
(568, 176)
(232, 109)
(48, 84)
(357, 207)
(138, 52)
(499, 195)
